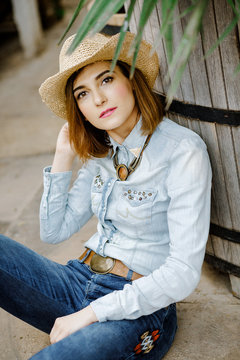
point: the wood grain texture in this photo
(226, 250)
(210, 82)
(235, 283)
(209, 247)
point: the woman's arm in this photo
(65, 154)
(63, 213)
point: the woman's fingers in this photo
(68, 324)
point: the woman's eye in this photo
(81, 94)
(107, 79)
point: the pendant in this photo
(122, 172)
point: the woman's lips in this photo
(107, 112)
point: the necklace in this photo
(122, 170)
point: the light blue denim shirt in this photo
(156, 222)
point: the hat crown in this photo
(90, 50)
(85, 49)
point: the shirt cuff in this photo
(58, 182)
(105, 308)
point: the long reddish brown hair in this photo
(89, 141)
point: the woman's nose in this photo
(99, 97)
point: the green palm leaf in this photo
(166, 30)
(231, 3)
(228, 29)
(147, 9)
(102, 10)
(237, 69)
(95, 19)
(122, 35)
(76, 12)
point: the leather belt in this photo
(110, 265)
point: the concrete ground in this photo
(209, 325)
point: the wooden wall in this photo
(210, 83)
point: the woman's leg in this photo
(34, 288)
(148, 337)
(38, 291)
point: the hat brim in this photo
(52, 89)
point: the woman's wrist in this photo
(62, 162)
(92, 314)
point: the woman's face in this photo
(106, 99)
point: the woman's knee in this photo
(5, 243)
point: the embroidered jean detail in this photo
(137, 197)
(147, 341)
(136, 207)
(98, 184)
(96, 193)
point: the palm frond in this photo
(233, 6)
(102, 10)
(122, 35)
(225, 33)
(95, 19)
(75, 15)
(237, 70)
(166, 29)
(147, 9)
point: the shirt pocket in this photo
(136, 205)
(96, 193)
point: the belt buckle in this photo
(101, 265)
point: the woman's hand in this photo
(64, 154)
(67, 325)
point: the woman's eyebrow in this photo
(101, 74)
(96, 78)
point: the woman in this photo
(147, 179)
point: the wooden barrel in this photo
(208, 102)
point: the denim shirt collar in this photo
(135, 140)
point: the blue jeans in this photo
(38, 290)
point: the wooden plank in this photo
(229, 143)
(214, 212)
(218, 96)
(230, 174)
(210, 136)
(213, 62)
(197, 67)
(208, 131)
(148, 35)
(229, 49)
(209, 247)
(161, 50)
(235, 283)
(236, 143)
(226, 250)
(152, 33)
(185, 90)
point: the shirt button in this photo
(109, 184)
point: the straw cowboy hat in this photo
(96, 48)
